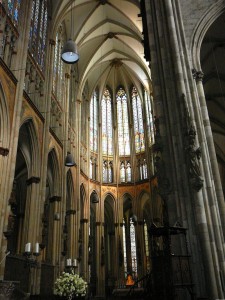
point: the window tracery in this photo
(143, 170)
(123, 124)
(94, 123)
(107, 132)
(107, 171)
(13, 10)
(38, 31)
(138, 122)
(149, 117)
(125, 171)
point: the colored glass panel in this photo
(123, 124)
(149, 117)
(107, 148)
(94, 123)
(138, 122)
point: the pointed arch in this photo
(83, 200)
(202, 27)
(53, 173)
(4, 120)
(29, 145)
(69, 191)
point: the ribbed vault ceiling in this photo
(109, 38)
(213, 60)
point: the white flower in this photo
(69, 284)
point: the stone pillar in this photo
(10, 161)
(168, 52)
(100, 269)
(140, 244)
(84, 261)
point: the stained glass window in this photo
(128, 172)
(129, 245)
(94, 123)
(107, 148)
(133, 246)
(122, 172)
(149, 117)
(123, 123)
(124, 247)
(125, 171)
(13, 10)
(146, 246)
(138, 122)
(107, 174)
(91, 171)
(143, 169)
(58, 68)
(38, 31)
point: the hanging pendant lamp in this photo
(69, 52)
(69, 161)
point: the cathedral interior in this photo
(112, 148)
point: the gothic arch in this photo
(69, 191)
(157, 207)
(202, 27)
(144, 207)
(4, 120)
(53, 173)
(83, 200)
(29, 146)
(109, 210)
(127, 205)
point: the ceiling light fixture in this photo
(69, 161)
(69, 53)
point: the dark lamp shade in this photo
(69, 161)
(94, 197)
(69, 52)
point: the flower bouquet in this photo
(70, 285)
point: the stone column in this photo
(10, 160)
(84, 261)
(168, 53)
(100, 269)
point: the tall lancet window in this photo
(107, 132)
(94, 123)
(125, 171)
(133, 246)
(107, 171)
(13, 10)
(124, 247)
(123, 123)
(146, 245)
(129, 246)
(149, 117)
(58, 74)
(38, 30)
(138, 122)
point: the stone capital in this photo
(70, 212)
(197, 75)
(84, 221)
(54, 199)
(52, 42)
(4, 151)
(32, 180)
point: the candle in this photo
(69, 262)
(36, 248)
(75, 262)
(28, 247)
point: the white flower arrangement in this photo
(69, 285)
